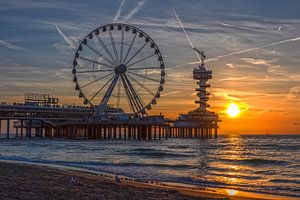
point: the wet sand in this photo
(22, 181)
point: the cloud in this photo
(293, 93)
(234, 78)
(119, 10)
(68, 40)
(230, 65)
(224, 95)
(272, 67)
(11, 46)
(256, 61)
(135, 10)
(276, 69)
(178, 76)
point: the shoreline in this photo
(187, 191)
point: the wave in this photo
(153, 153)
(247, 177)
(255, 161)
(104, 164)
(285, 181)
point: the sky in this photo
(251, 46)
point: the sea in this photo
(256, 163)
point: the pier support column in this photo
(129, 132)
(125, 132)
(22, 129)
(139, 135)
(115, 132)
(109, 133)
(104, 132)
(167, 132)
(120, 132)
(85, 133)
(216, 133)
(149, 132)
(7, 128)
(134, 133)
(159, 133)
(0, 127)
(206, 133)
(30, 128)
(41, 129)
(100, 132)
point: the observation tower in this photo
(202, 75)
(199, 123)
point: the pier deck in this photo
(78, 123)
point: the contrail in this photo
(11, 46)
(68, 40)
(119, 10)
(135, 10)
(242, 51)
(187, 36)
(253, 49)
(170, 93)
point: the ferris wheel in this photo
(118, 66)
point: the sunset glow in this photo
(233, 110)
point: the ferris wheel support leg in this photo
(106, 97)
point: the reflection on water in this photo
(231, 192)
(269, 164)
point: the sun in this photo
(233, 110)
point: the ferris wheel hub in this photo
(121, 69)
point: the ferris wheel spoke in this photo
(114, 45)
(101, 88)
(141, 60)
(122, 46)
(129, 49)
(99, 54)
(141, 85)
(95, 61)
(106, 49)
(101, 78)
(135, 95)
(91, 71)
(143, 76)
(138, 51)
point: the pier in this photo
(117, 94)
(27, 121)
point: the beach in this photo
(23, 181)
(245, 166)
